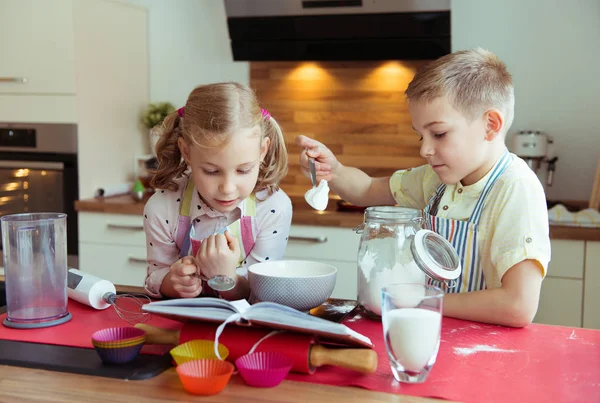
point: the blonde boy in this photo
(485, 200)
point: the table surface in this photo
(36, 385)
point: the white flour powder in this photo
(480, 348)
(318, 197)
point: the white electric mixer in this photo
(100, 294)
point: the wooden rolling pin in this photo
(307, 355)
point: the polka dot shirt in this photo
(161, 216)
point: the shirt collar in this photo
(199, 208)
(476, 188)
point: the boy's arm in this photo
(356, 187)
(351, 184)
(514, 304)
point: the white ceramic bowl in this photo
(300, 284)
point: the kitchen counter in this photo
(34, 385)
(305, 215)
(535, 349)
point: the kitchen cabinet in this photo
(561, 298)
(36, 44)
(113, 247)
(571, 292)
(331, 245)
(591, 301)
(86, 62)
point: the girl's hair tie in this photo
(180, 111)
(265, 114)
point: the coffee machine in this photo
(537, 149)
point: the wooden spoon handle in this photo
(158, 335)
(358, 359)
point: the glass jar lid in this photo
(435, 256)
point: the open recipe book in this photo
(264, 314)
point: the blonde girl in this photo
(218, 207)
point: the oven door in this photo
(31, 187)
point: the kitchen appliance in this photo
(536, 148)
(39, 172)
(338, 30)
(100, 294)
(35, 264)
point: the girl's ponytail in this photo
(275, 165)
(170, 162)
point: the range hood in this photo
(271, 30)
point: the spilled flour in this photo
(464, 351)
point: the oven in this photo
(38, 173)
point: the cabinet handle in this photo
(54, 166)
(312, 239)
(137, 260)
(125, 227)
(14, 80)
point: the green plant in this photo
(156, 112)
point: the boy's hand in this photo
(325, 161)
(218, 254)
(184, 279)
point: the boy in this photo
(487, 200)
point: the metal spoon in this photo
(220, 282)
(313, 171)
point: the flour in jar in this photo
(412, 335)
(387, 261)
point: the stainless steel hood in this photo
(271, 30)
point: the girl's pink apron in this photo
(243, 229)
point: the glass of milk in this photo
(412, 324)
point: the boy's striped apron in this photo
(243, 229)
(463, 234)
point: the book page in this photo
(269, 313)
(197, 308)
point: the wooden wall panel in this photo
(357, 109)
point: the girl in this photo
(219, 208)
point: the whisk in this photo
(122, 302)
(101, 294)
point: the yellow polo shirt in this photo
(514, 221)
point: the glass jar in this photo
(395, 247)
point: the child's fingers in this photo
(232, 241)
(202, 248)
(188, 260)
(305, 142)
(322, 168)
(210, 242)
(188, 292)
(187, 281)
(221, 241)
(184, 269)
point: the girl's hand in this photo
(184, 278)
(218, 254)
(325, 161)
